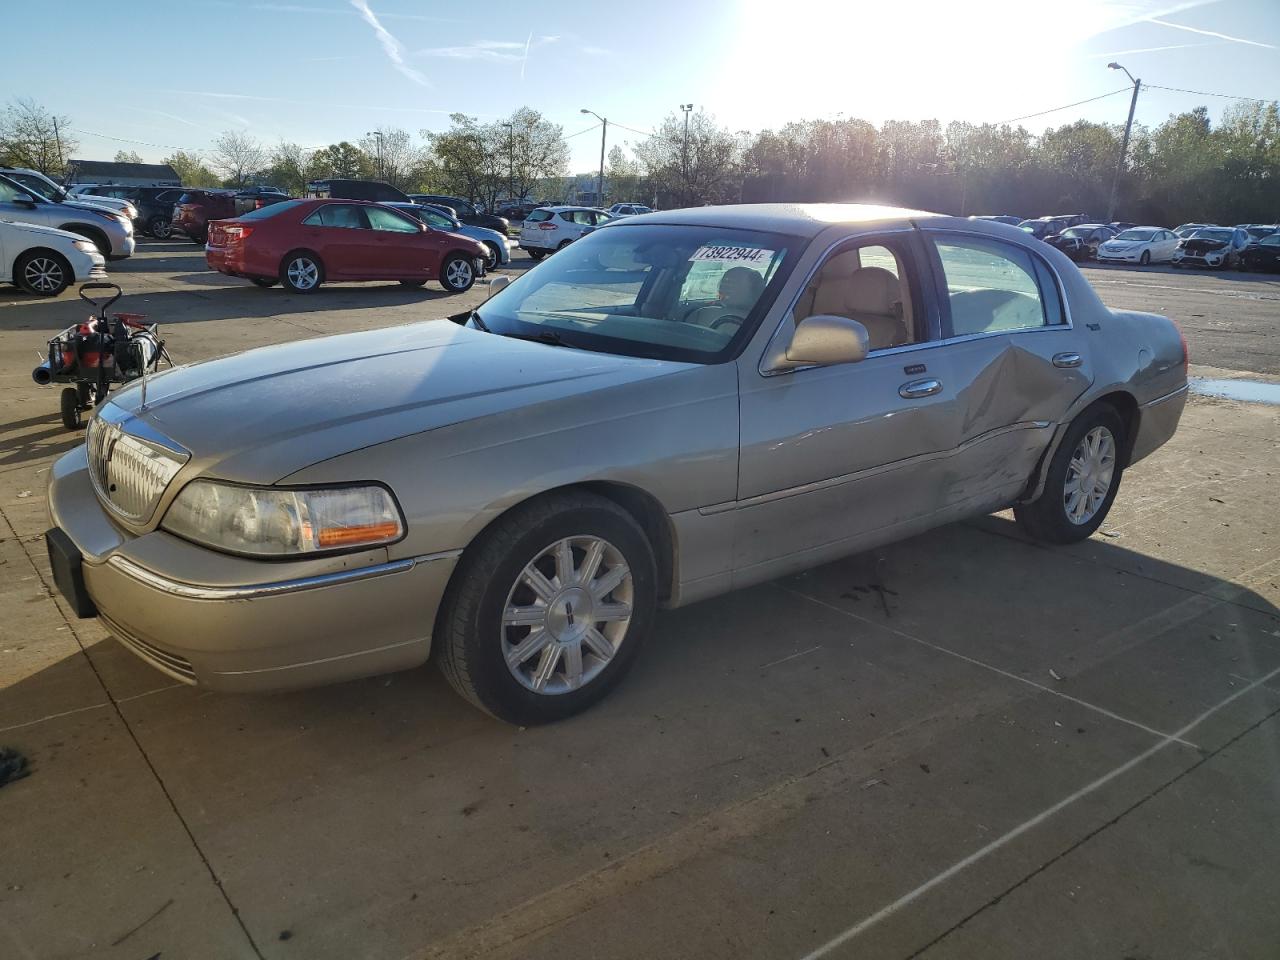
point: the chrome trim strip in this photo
(190, 591)
(815, 485)
(1168, 396)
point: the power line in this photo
(1065, 106)
(1203, 93)
(581, 132)
(144, 143)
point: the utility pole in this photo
(604, 131)
(684, 157)
(57, 140)
(1124, 143)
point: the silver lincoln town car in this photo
(677, 405)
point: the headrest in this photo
(875, 290)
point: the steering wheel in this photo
(727, 318)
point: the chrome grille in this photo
(130, 464)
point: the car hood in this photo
(1203, 245)
(43, 230)
(259, 416)
(97, 208)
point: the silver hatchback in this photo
(681, 405)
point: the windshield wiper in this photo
(475, 318)
(544, 336)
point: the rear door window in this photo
(995, 287)
(338, 215)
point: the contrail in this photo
(393, 47)
(526, 54)
(1211, 33)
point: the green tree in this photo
(191, 170)
(287, 168)
(31, 136)
(344, 160)
(127, 156)
(707, 168)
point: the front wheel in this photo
(1145, 259)
(160, 227)
(457, 274)
(548, 608)
(1082, 480)
(493, 258)
(42, 273)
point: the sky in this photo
(154, 76)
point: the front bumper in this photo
(1190, 260)
(234, 624)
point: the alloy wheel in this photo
(458, 273)
(43, 274)
(303, 273)
(567, 614)
(1089, 475)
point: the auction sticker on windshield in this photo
(748, 255)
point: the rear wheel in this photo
(1145, 258)
(457, 273)
(42, 273)
(563, 244)
(160, 227)
(1082, 480)
(198, 238)
(70, 404)
(536, 254)
(302, 272)
(548, 608)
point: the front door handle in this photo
(1067, 360)
(919, 388)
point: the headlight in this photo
(284, 521)
(85, 246)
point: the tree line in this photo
(1186, 168)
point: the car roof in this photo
(797, 219)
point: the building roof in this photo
(99, 171)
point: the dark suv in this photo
(464, 210)
(154, 205)
(195, 208)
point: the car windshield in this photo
(1078, 233)
(670, 292)
(47, 190)
(1222, 235)
(1270, 241)
(1136, 235)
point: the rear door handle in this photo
(919, 388)
(1067, 360)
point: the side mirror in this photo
(497, 284)
(25, 200)
(820, 340)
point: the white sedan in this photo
(43, 260)
(1141, 245)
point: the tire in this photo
(160, 227)
(474, 645)
(70, 404)
(413, 283)
(457, 273)
(42, 273)
(301, 272)
(494, 259)
(263, 282)
(1145, 259)
(1049, 518)
(563, 244)
(536, 254)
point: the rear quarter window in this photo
(538, 216)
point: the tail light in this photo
(259, 204)
(1186, 352)
(547, 225)
(236, 234)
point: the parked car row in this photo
(111, 231)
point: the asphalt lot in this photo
(963, 745)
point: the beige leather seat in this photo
(871, 295)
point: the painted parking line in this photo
(960, 865)
(987, 666)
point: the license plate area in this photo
(68, 573)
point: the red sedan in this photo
(303, 243)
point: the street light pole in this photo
(604, 130)
(377, 135)
(511, 162)
(1124, 143)
(684, 152)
